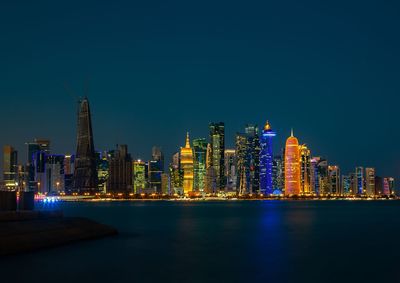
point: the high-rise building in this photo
(44, 145)
(314, 181)
(379, 186)
(68, 173)
(55, 175)
(243, 165)
(39, 173)
(360, 181)
(217, 141)
(165, 188)
(305, 165)
(292, 167)
(253, 149)
(120, 171)
(347, 185)
(176, 174)
(199, 164)
(157, 155)
(370, 181)
(155, 173)
(139, 176)
(267, 160)
(85, 174)
(211, 182)
(187, 166)
(334, 180)
(10, 167)
(391, 183)
(230, 169)
(103, 171)
(37, 153)
(323, 178)
(278, 174)
(248, 160)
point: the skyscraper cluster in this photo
(200, 167)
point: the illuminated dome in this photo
(267, 126)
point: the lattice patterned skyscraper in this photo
(85, 174)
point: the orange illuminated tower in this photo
(187, 166)
(292, 166)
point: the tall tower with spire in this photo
(292, 166)
(85, 173)
(266, 160)
(187, 166)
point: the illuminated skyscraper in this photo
(292, 167)
(103, 170)
(360, 181)
(334, 180)
(165, 187)
(155, 170)
(10, 166)
(347, 185)
(248, 160)
(242, 165)
(37, 152)
(319, 173)
(217, 141)
(266, 160)
(278, 174)
(199, 164)
(370, 181)
(176, 174)
(85, 174)
(253, 151)
(55, 173)
(211, 182)
(187, 166)
(139, 176)
(314, 181)
(230, 169)
(69, 172)
(305, 164)
(390, 185)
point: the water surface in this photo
(242, 241)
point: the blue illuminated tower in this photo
(266, 160)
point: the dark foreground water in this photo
(243, 241)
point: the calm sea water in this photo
(243, 241)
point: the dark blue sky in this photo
(329, 69)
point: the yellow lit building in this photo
(305, 165)
(187, 166)
(292, 167)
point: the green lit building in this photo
(139, 176)
(217, 141)
(199, 164)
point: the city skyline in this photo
(207, 169)
(276, 149)
(329, 71)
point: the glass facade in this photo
(266, 161)
(199, 164)
(217, 141)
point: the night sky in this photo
(156, 69)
